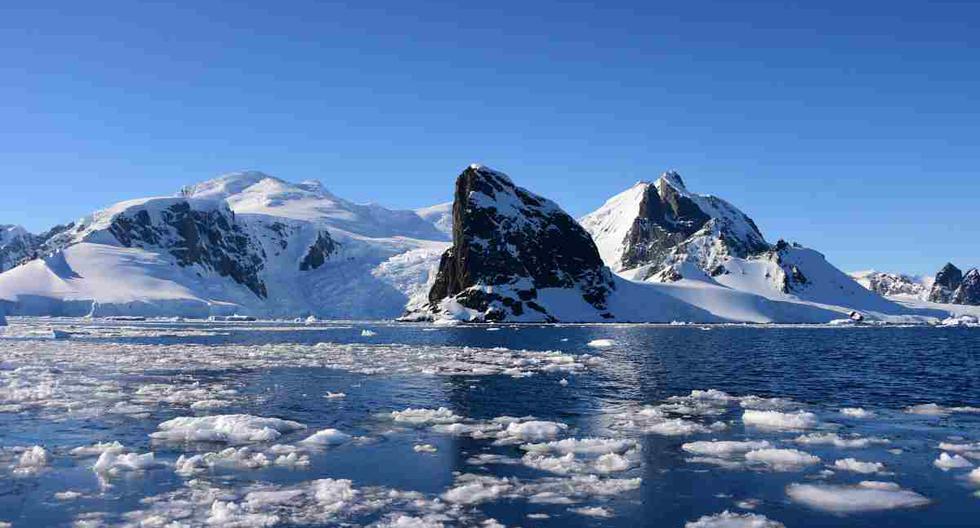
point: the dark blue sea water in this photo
(62, 394)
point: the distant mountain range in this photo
(250, 243)
(949, 286)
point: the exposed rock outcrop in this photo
(511, 250)
(947, 281)
(16, 246)
(653, 228)
(968, 291)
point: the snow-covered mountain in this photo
(253, 244)
(245, 242)
(894, 284)
(953, 286)
(16, 245)
(654, 228)
(949, 286)
(662, 232)
(517, 256)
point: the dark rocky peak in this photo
(652, 227)
(968, 291)
(947, 281)
(508, 244)
(950, 276)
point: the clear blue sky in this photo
(852, 127)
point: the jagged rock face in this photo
(893, 284)
(208, 238)
(947, 281)
(319, 252)
(16, 246)
(968, 291)
(656, 227)
(786, 276)
(508, 244)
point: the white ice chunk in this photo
(727, 519)
(857, 466)
(856, 412)
(724, 448)
(782, 459)
(226, 428)
(326, 437)
(947, 462)
(863, 497)
(779, 420)
(441, 415)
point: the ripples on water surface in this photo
(521, 426)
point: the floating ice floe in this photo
(31, 461)
(592, 511)
(225, 428)
(968, 450)
(531, 431)
(856, 412)
(326, 437)
(727, 519)
(239, 458)
(657, 420)
(779, 420)
(114, 462)
(602, 343)
(975, 476)
(569, 464)
(836, 440)
(368, 333)
(441, 415)
(781, 459)
(67, 495)
(947, 462)
(862, 497)
(97, 449)
(334, 395)
(424, 448)
(723, 448)
(857, 466)
(933, 409)
(593, 446)
(470, 489)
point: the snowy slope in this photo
(516, 256)
(662, 232)
(245, 243)
(440, 215)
